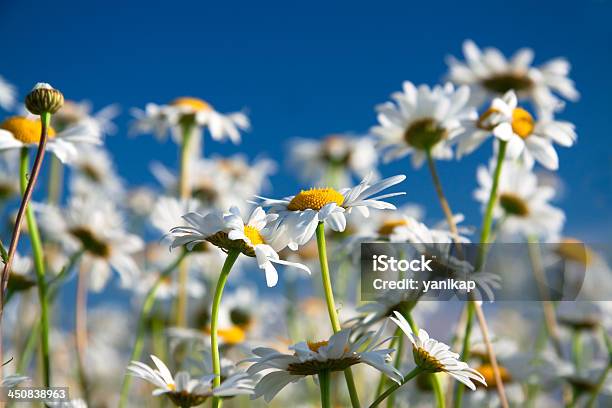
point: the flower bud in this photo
(44, 98)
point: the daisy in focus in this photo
(194, 113)
(259, 237)
(18, 132)
(96, 229)
(490, 74)
(434, 356)
(423, 121)
(311, 358)
(301, 213)
(185, 391)
(522, 205)
(8, 94)
(334, 159)
(526, 137)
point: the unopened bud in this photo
(44, 98)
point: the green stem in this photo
(465, 351)
(397, 363)
(438, 392)
(147, 305)
(577, 349)
(184, 193)
(598, 387)
(331, 306)
(214, 320)
(39, 266)
(52, 288)
(484, 240)
(56, 181)
(415, 371)
(324, 384)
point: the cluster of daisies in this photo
(181, 255)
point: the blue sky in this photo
(310, 69)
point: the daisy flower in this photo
(159, 119)
(259, 237)
(521, 202)
(526, 136)
(434, 356)
(220, 182)
(17, 132)
(8, 94)
(423, 119)
(94, 171)
(311, 358)
(95, 227)
(13, 380)
(301, 213)
(74, 113)
(490, 74)
(334, 159)
(21, 276)
(185, 391)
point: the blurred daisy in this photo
(434, 356)
(423, 119)
(334, 159)
(526, 136)
(79, 114)
(490, 74)
(301, 213)
(220, 182)
(94, 171)
(21, 276)
(522, 204)
(311, 358)
(9, 175)
(17, 132)
(185, 391)
(259, 237)
(8, 94)
(159, 119)
(13, 380)
(95, 227)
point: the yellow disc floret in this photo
(316, 345)
(487, 372)
(232, 335)
(389, 226)
(522, 122)
(315, 199)
(253, 235)
(25, 130)
(195, 104)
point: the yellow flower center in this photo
(316, 345)
(426, 361)
(25, 130)
(522, 122)
(253, 235)
(487, 372)
(315, 199)
(389, 226)
(233, 335)
(513, 205)
(195, 104)
(172, 387)
(574, 250)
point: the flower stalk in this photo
(476, 306)
(184, 193)
(145, 311)
(331, 306)
(412, 374)
(324, 384)
(232, 255)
